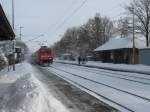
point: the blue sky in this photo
(45, 16)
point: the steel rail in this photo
(109, 75)
(120, 105)
(138, 96)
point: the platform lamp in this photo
(13, 26)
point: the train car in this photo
(44, 56)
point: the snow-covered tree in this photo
(84, 39)
(141, 10)
(3, 60)
(124, 27)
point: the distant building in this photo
(120, 50)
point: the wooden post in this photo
(133, 56)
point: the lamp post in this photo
(13, 26)
(20, 31)
(13, 15)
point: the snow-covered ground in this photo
(126, 67)
(128, 89)
(21, 91)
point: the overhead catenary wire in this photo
(70, 16)
(76, 10)
(111, 9)
(35, 38)
(64, 13)
(67, 18)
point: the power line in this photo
(111, 9)
(35, 38)
(65, 12)
(76, 10)
(70, 16)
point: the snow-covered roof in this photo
(120, 43)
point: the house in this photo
(120, 50)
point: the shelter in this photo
(6, 31)
(120, 50)
(6, 36)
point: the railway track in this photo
(99, 83)
(81, 86)
(103, 84)
(117, 75)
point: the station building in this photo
(120, 50)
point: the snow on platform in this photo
(25, 95)
(21, 91)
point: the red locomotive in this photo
(44, 56)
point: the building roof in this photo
(120, 43)
(6, 31)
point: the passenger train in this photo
(44, 56)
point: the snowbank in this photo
(21, 69)
(25, 93)
(3, 60)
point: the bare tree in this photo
(123, 27)
(100, 30)
(141, 10)
(84, 39)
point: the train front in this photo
(45, 56)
